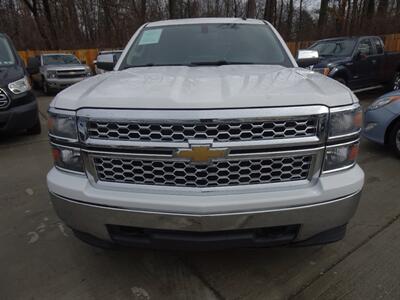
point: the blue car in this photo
(382, 121)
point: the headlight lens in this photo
(63, 125)
(345, 121)
(341, 156)
(51, 74)
(382, 102)
(67, 158)
(20, 86)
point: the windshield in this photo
(206, 44)
(334, 47)
(60, 59)
(6, 54)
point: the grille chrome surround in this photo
(97, 151)
(225, 131)
(4, 99)
(218, 173)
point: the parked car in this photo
(207, 134)
(361, 63)
(54, 72)
(113, 54)
(18, 106)
(382, 121)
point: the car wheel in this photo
(35, 129)
(396, 82)
(46, 89)
(394, 138)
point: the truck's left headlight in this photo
(339, 157)
(62, 125)
(20, 86)
(345, 121)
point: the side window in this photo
(378, 46)
(365, 47)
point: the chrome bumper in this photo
(312, 219)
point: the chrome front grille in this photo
(225, 131)
(71, 73)
(203, 148)
(4, 99)
(227, 172)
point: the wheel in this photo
(396, 81)
(394, 138)
(35, 129)
(46, 88)
(341, 80)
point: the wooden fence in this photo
(392, 43)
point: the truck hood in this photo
(66, 67)
(181, 87)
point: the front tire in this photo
(46, 88)
(395, 86)
(394, 138)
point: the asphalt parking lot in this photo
(41, 259)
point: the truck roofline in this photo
(205, 21)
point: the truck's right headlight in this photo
(345, 121)
(62, 125)
(67, 158)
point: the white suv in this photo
(207, 134)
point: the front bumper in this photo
(62, 83)
(327, 204)
(19, 117)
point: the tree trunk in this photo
(323, 12)
(251, 9)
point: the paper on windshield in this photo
(151, 36)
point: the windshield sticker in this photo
(150, 37)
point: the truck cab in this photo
(361, 63)
(18, 106)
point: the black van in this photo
(18, 106)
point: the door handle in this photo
(374, 61)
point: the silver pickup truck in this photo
(206, 134)
(54, 72)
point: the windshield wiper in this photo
(218, 63)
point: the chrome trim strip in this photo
(343, 108)
(339, 137)
(62, 139)
(206, 114)
(54, 110)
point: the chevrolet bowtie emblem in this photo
(201, 154)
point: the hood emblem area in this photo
(201, 154)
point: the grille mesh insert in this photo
(219, 132)
(216, 173)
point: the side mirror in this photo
(106, 62)
(306, 58)
(33, 65)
